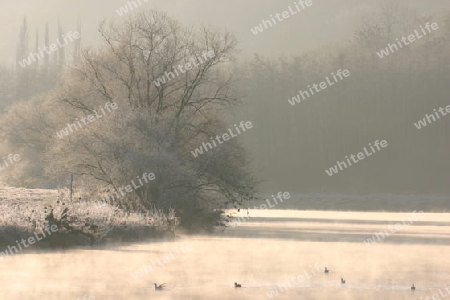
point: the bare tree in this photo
(157, 124)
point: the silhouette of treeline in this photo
(381, 99)
(57, 58)
(22, 83)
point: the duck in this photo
(326, 271)
(237, 285)
(159, 287)
(342, 281)
(413, 287)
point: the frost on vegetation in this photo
(81, 216)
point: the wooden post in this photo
(71, 186)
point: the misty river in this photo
(271, 252)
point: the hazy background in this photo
(290, 147)
(323, 23)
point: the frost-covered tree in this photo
(156, 125)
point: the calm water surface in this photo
(269, 248)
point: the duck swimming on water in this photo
(159, 287)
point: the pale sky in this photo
(326, 21)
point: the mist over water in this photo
(271, 248)
(125, 126)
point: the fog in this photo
(327, 22)
(227, 146)
(269, 248)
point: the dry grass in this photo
(26, 211)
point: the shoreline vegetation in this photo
(83, 223)
(79, 222)
(128, 188)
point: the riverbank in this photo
(25, 212)
(268, 250)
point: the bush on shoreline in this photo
(79, 222)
